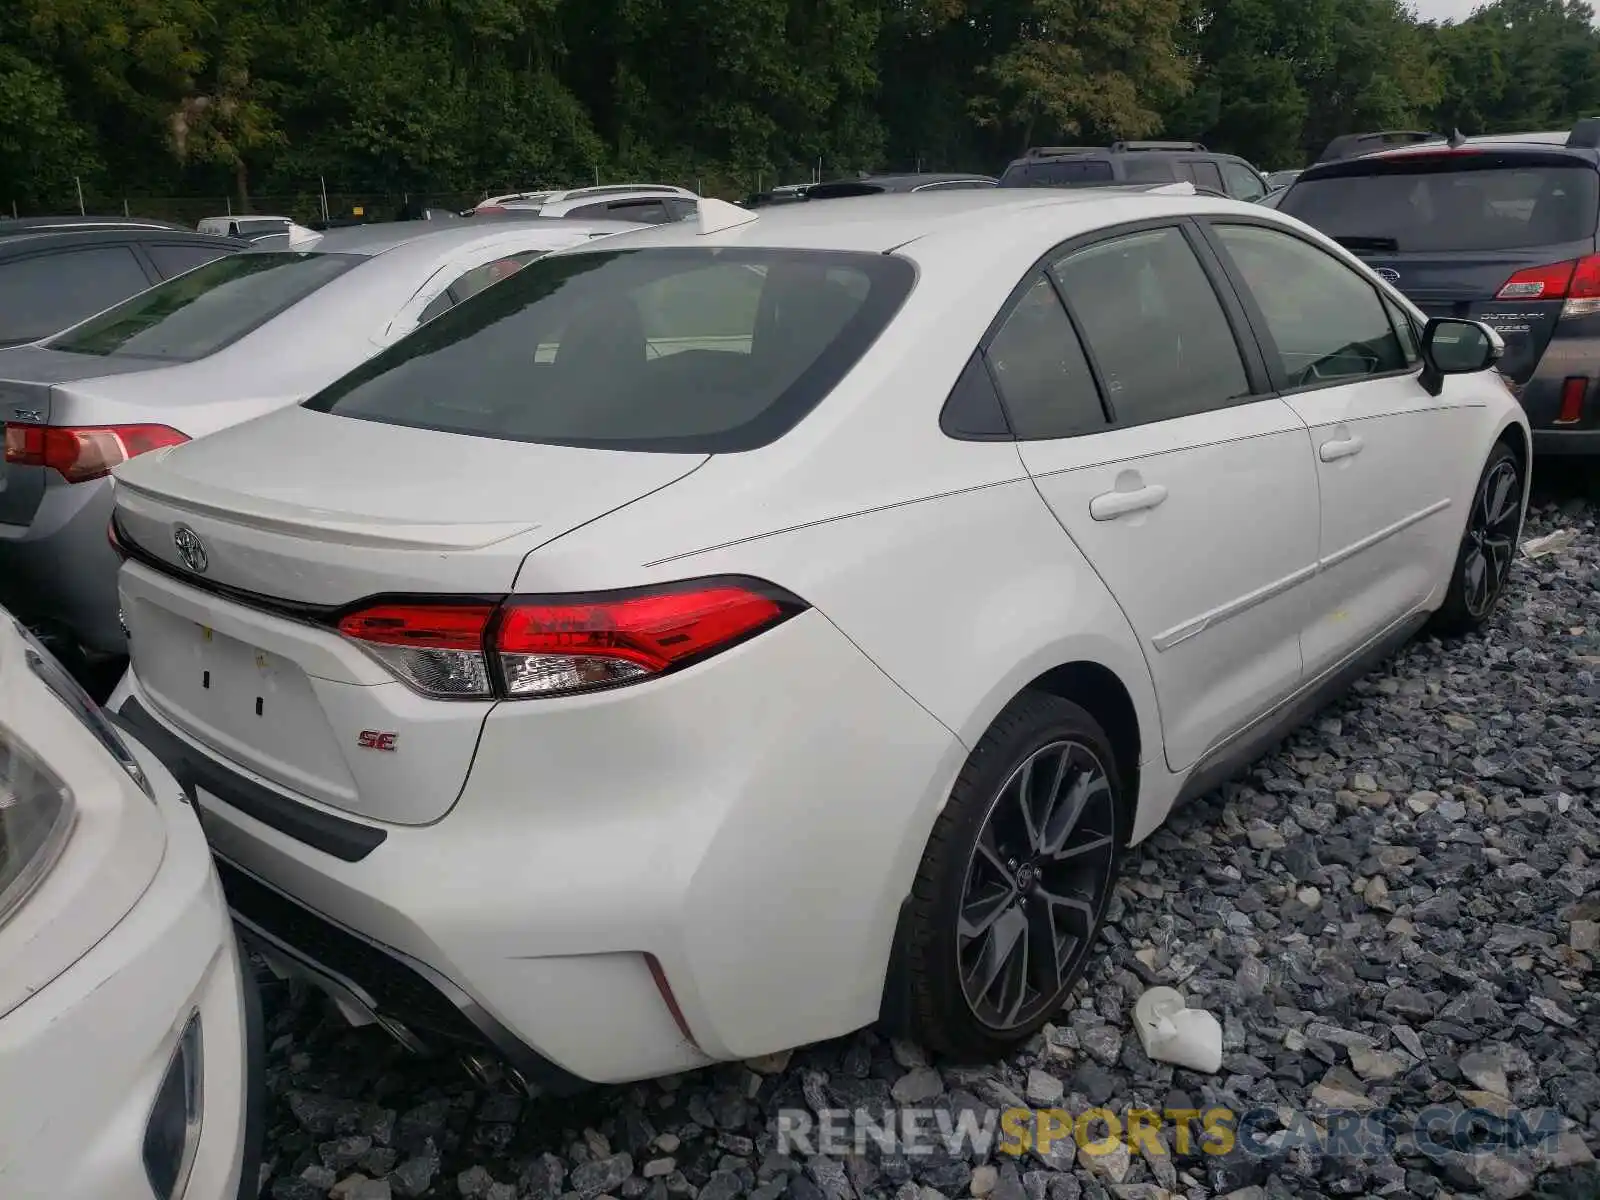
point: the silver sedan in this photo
(219, 345)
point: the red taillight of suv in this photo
(81, 453)
(526, 647)
(1577, 281)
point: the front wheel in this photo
(1015, 881)
(1488, 548)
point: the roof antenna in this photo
(1457, 139)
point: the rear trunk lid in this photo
(1450, 228)
(32, 379)
(301, 513)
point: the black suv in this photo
(1136, 162)
(1500, 229)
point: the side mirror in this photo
(1453, 346)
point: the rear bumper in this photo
(60, 568)
(722, 852)
(1566, 442)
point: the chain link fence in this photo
(313, 205)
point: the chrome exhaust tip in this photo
(481, 1069)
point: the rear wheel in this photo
(1015, 881)
(1488, 547)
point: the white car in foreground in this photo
(702, 646)
(129, 1033)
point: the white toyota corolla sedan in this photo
(700, 647)
(129, 1034)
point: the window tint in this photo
(48, 292)
(1158, 333)
(1146, 168)
(1207, 175)
(175, 259)
(972, 411)
(1065, 172)
(1041, 372)
(198, 314)
(440, 303)
(1445, 204)
(1326, 322)
(650, 212)
(690, 349)
(1242, 182)
(1410, 339)
(682, 210)
(480, 277)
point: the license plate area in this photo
(254, 707)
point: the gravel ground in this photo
(1398, 909)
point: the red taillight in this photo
(1573, 392)
(436, 648)
(1575, 279)
(555, 645)
(81, 453)
(547, 648)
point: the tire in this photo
(1488, 547)
(994, 877)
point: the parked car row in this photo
(237, 336)
(611, 655)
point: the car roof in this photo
(909, 181)
(397, 240)
(884, 222)
(1546, 146)
(14, 225)
(28, 241)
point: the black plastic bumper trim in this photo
(345, 840)
(386, 982)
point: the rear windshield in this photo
(685, 349)
(197, 314)
(1449, 203)
(1060, 173)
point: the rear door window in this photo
(1154, 325)
(197, 314)
(47, 292)
(700, 350)
(1469, 202)
(1039, 367)
(177, 257)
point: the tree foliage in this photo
(174, 96)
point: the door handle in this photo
(1108, 506)
(1336, 448)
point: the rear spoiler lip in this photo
(360, 532)
(1396, 159)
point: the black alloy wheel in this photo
(1036, 884)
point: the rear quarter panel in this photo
(936, 557)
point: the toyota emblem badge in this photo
(190, 548)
